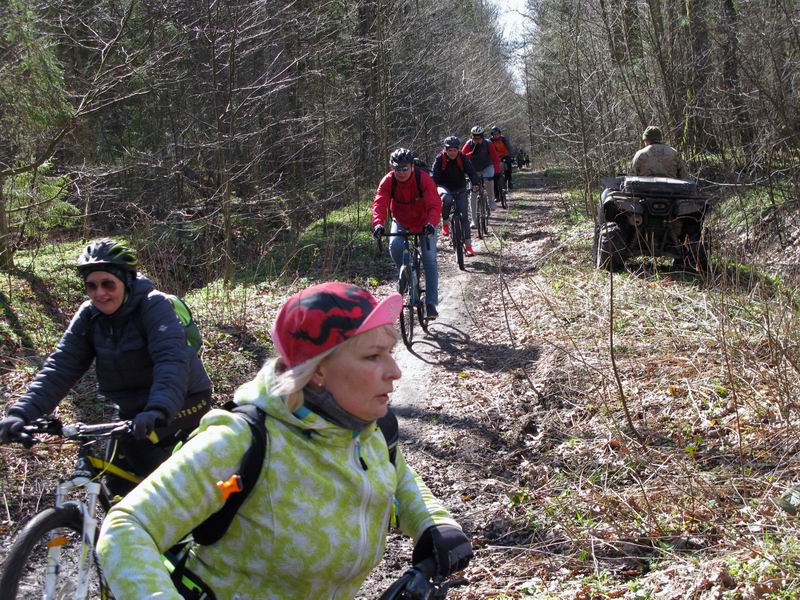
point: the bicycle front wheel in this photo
(421, 299)
(44, 561)
(485, 214)
(480, 221)
(504, 197)
(458, 241)
(407, 324)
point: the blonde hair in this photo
(290, 382)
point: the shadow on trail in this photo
(462, 353)
(531, 236)
(417, 436)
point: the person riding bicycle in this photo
(143, 363)
(411, 195)
(502, 146)
(486, 162)
(449, 169)
(658, 159)
(315, 524)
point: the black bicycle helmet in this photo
(477, 130)
(401, 156)
(452, 142)
(105, 252)
(495, 128)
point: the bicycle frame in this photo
(88, 469)
(88, 511)
(412, 265)
(412, 260)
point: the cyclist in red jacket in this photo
(411, 195)
(486, 162)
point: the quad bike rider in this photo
(654, 212)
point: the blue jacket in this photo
(142, 359)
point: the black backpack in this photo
(215, 526)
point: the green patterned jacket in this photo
(313, 527)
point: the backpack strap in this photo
(391, 432)
(215, 526)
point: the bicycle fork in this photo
(88, 512)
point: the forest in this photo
(597, 435)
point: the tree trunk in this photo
(730, 72)
(697, 123)
(6, 249)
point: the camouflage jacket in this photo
(313, 527)
(659, 160)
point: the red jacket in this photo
(468, 148)
(411, 208)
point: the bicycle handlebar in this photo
(404, 234)
(72, 431)
(420, 583)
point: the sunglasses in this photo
(477, 137)
(401, 168)
(106, 284)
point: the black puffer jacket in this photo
(142, 359)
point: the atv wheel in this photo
(609, 247)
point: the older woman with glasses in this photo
(143, 362)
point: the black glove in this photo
(11, 427)
(377, 231)
(429, 229)
(145, 422)
(447, 545)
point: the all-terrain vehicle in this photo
(651, 216)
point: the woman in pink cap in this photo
(314, 524)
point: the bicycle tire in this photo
(485, 214)
(406, 325)
(421, 311)
(458, 241)
(481, 216)
(504, 198)
(25, 566)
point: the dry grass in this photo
(583, 508)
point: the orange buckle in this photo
(231, 486)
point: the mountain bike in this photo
(409, 283)
(53, 557)
(419, 583)
(482, 216)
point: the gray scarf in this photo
(320, 401)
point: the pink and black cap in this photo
(324, 315)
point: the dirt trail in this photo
(470, 353)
